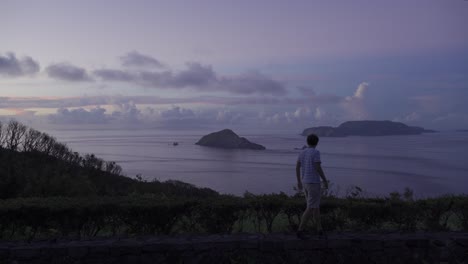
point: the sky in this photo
(212, 64)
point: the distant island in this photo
(227, 139)
(366, 128)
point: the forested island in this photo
(366, 128)
(227, 139)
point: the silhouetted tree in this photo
(112, 167)
(31, 140)
(14, 134)
(2, 135)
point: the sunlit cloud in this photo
(355, 107)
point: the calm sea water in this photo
(430, 164)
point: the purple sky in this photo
(215, 64)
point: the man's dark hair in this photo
(312, 140)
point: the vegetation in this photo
(79, 217)
(34, 164)
(49, 191)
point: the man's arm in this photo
(318, 166)
(298, 175)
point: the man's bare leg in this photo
(305, 218)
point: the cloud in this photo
(302, 112)
(135, 59)
(195, 76)
(180, 117)
(79, 116)
(68, 72)
(59, 102)
(65, 102)
(241, 111)
(228, 116)
(319, 113)
(252, 82)
(301, 115)
(198, 77)
(154, 79)
(360, 92)
(412, 117)
(355, 107)
(317, 110)
(115, 75)
(127, 113)
(24, 113)
(306, 91)
(11, 66)
(177, 112)
(128, 106)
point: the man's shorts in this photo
(312, 194)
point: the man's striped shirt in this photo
(307, 158)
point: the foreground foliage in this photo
(29, 218)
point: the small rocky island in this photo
(366, 128)
(227, 139)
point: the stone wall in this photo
(247, 248)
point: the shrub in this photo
(460, 208)
(403, 215)
(266, 208)
(436, 212)
(293, 209)
(219, 215)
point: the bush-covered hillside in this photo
(33, 163)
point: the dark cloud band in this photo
(68, 72)
(198, 77)
(135, 59)
(10, 66)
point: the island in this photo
(366, 128)
(227, 139)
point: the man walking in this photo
(309, 166)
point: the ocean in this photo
(430, 164)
